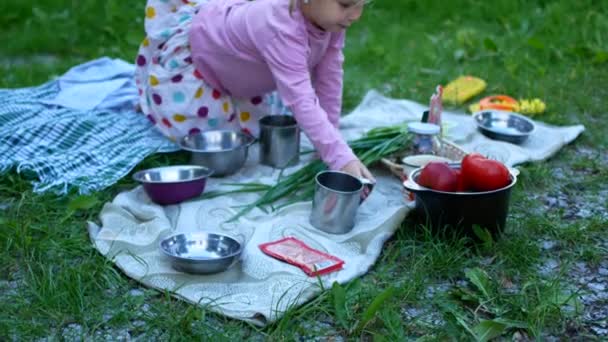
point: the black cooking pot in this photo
(458, 212)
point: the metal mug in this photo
(336, 201)
(279, 141)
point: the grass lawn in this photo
(547, 278)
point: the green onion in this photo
(378, 143)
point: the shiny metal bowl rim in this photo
(277, 127)
(188, 235)
(249, 140)
(478, 115)
(137, 175)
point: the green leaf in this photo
(512, 66)
(582, 51)
(39, 14)
(379, 337)
(373, 308)
(490, 45)
(83, 202)
(559, 298)
(484, 235)
(466, 37)
(480, 279)
(378, 50)
(465, 295)
(511, 323)
(109, 30)
(536, 43)
(459, 55)
(487, 330)
(600, 57)
(462, 320)
(339, 298)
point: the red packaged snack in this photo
(293, 251)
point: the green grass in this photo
(53, 283)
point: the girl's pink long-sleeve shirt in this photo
(247, 48)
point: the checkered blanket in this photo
(89, 150)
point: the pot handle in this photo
(514, 171)
(366, 184)
(412, 186)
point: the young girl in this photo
(207, 64)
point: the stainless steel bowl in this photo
(173, 184)
(505, 126)
(224, 152)
(201, 253)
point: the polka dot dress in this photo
(173, 94)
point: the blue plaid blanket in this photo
(89, 150)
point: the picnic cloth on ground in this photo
(89, 149)
(103, 83)
(462, 130)
(259, 289)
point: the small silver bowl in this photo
(173, 184)
(505, 126)
(201, 253)
(225, 152)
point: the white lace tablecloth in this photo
(259, 288)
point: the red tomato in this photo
(438, 176)
(482, 174)
(461, 185)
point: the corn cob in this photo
(463, 88)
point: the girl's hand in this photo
(357, 169)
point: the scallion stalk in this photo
(378, 143)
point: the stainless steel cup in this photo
(279, 141)
(336, 200)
